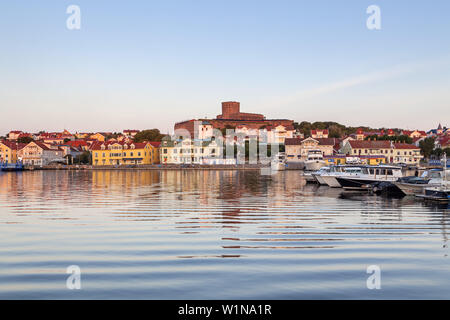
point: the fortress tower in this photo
(230, 108)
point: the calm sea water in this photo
(213, 234)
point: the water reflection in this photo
(282, 237)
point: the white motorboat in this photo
(308, 176)
(439, 193)
(278, 162)
(370, 174)
(318, 175)
(336, 171)
(416, 185)
(314, 160)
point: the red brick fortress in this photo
(232, 117)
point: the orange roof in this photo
(98, 145)
(357, 144)
(405, 146)
(156, 144)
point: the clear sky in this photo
(144, 64)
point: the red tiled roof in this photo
(77, 143)
(13, 145)
(358, 144)
(326, 141)
(292, 141)
(322, 141)
(98, 144)
(324, 131)
(156, 144)
(405, 146)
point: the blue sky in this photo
(145, 64)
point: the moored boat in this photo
(439, 194)
(278, 162)
(416, 185)
(368, 175)
(319, 173)
(340, 170)
(314, 160)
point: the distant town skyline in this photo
(151, 64)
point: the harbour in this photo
(235, 234)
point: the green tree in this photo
(447, 152)
(25, 140)
(83, 158)
(427, 146)
(149, 135)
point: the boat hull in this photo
(314, 165)
(435, 194)
(354, 184)
(331, 181)
(277, 166)
(411, 189)
(320, 179)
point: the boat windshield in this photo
(353, 170)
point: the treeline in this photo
(149, 135)
(335, 130)
(399, 138)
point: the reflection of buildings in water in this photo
(124, 178)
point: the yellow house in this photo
(356, 148)
(97, 136)
(167, 152)
(8, 151)
(121, 153)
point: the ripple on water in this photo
(221, 234)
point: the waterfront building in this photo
(406, 153)
(122, 153)
(166, 151)
(155, 158)
(39, 154)
(189, 151)
(8, 151)
(393, 152)
(297, 149)
(365, 148)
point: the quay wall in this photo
(150, 167)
